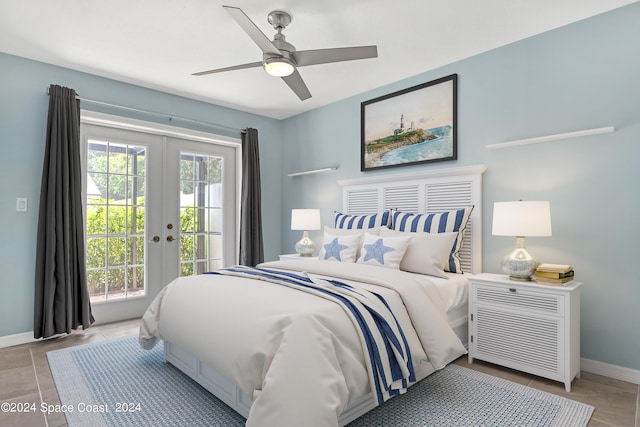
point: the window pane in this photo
(96, 187)
(135, 250)
(95, 283)
(135, 281)
(116, 282)
(198, 225)
(215, 220)
(117, 189)
(97, 156)
(116, 251)
(187, 220)
(135, 220)
(213, 170)
(96, 219)
(133, 163)
(135, 190)
(215, 246)
(117, 159)
(116, 185)
(186, 247)
(96, 252)
(116, 220)
(187, 167)
(186, 269)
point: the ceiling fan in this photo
(281, 58)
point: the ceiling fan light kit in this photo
(281, 59)
(279, 67)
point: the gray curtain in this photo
(251, 246)
(61, 296)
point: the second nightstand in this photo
(525, 326)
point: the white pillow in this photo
(427, 253)
(383, 251)
(340, 248)
(351, 231)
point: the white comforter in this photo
(298, 355)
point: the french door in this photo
(158, 206)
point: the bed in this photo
(283, 357)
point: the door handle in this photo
(155, 239)
(170, 239)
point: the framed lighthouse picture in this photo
(411, 126)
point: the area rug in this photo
(116, 383)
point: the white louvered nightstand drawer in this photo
(525, 326)
(520, 299)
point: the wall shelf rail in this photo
(567, 135)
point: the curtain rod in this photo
(171, 117)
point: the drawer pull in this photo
(512, 289)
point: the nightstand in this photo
(297, 257)
(525, 326)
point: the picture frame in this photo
(411, 126)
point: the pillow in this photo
(347, 231)
(442, 222)
(383, 251)
(362, 221)
(340, 248)
(427, 253)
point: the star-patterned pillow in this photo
(383, 251)
(340, 248)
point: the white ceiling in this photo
(159, 43)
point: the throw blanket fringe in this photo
(389, 357)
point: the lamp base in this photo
(520, 264)
(304, 247)
(521, 279)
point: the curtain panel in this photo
(61, 296)
(251, 245)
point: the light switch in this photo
(21, 204)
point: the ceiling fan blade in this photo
(235, 67)
(324, 56)
(295, 82)
(252, 30)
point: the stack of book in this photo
(553, 274)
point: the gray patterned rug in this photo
(116, 383)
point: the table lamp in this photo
(521, 219)
(305, 219)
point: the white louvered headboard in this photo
(424, 192)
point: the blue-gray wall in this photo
(581, 76)
(23, 120)
(578, 77)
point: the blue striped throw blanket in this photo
(389, 358)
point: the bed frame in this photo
(423, 192)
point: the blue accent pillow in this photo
(383, 251)
(362, 221)
(441, 222)
(342, 248)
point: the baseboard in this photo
(17, 339)
(611, 371)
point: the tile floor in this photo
(25, 378)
